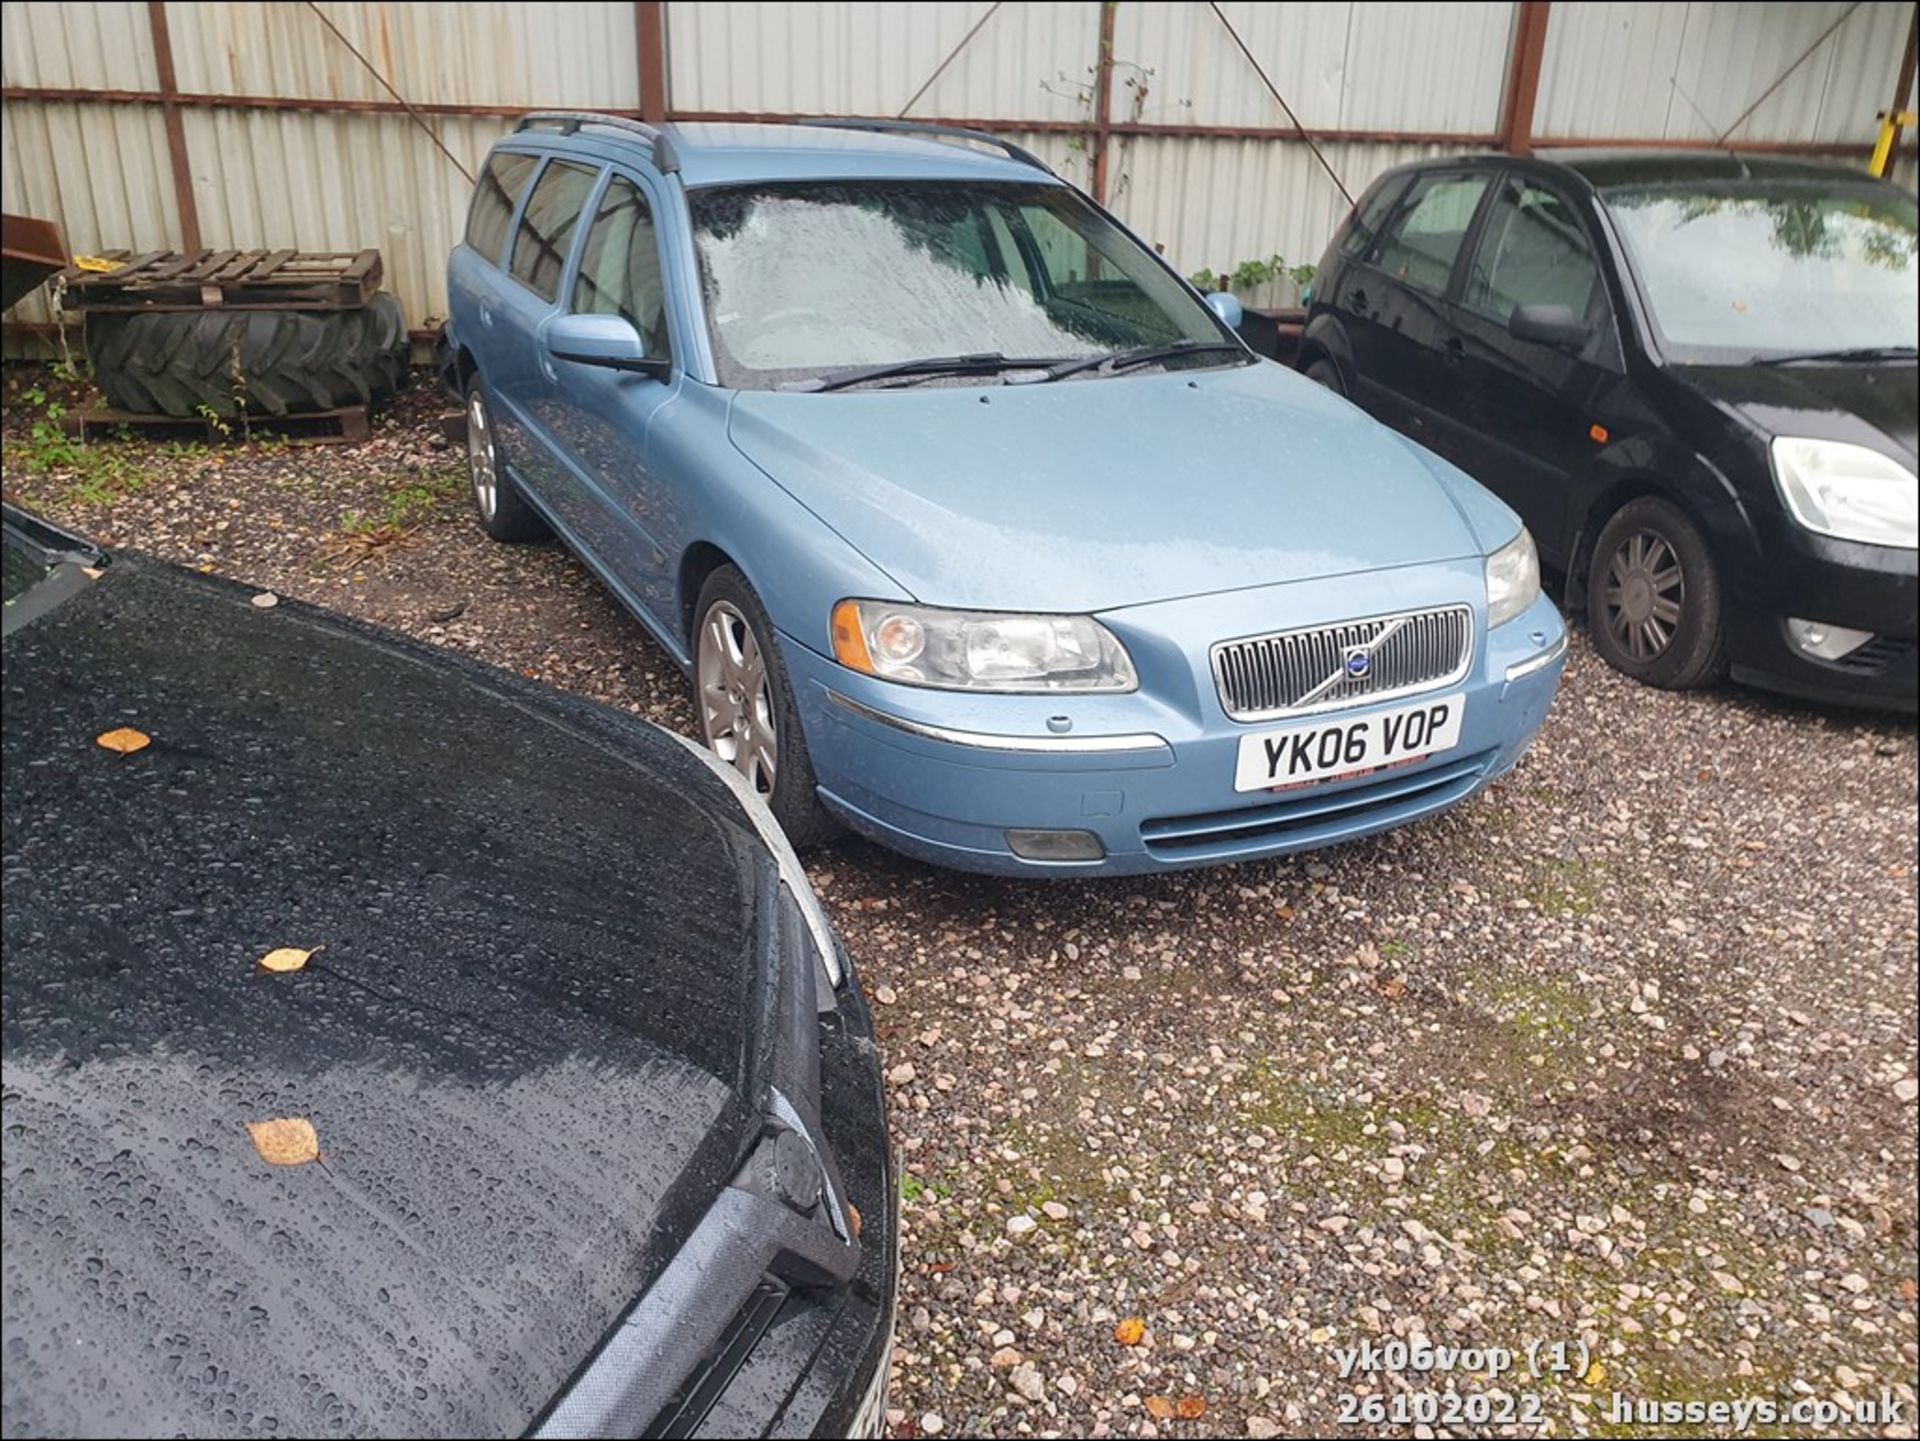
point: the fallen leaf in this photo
(288, 1142)
(124, 739)
(853, 1218)
(1596, 1373)
(1191, 1408)
(288, 958)
(1393, 989)
(1159, 1407)
(1287, 913)
(1908, 1290)
(1130, 1332)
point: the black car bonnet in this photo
(521, 1045)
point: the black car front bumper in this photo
(1838, 583)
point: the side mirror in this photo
(1548, 325)
(604, 340)
(1227, 307)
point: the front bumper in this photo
(943, 777)
(1838, 583)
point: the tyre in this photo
(265, 362)
(744, 701)
(1328, 374)
(1654, 598)
(504, 513)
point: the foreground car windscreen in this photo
(805, 280)
(1734, 272)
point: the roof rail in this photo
(938, 132)
(567, 122)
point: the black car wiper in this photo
(1143, 355)
(987, 363)
(1857, 352)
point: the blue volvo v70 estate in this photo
(975, 527)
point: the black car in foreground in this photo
(1692, 374)
(556, 1112)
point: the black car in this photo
(571, 1123)
(1693, 376)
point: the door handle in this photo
(486, 313)
(1359, 300)
(1456, 350)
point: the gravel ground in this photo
(1619, 1056)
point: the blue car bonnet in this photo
(1083, 496)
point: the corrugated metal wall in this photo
(1395, 81)
(1688, 71)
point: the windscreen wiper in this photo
(1857, 352)
(1144, 355)
(986, 363)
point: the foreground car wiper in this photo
(1858, 352)
(1144, 355)
(987, 363)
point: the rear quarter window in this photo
(1370, 214)
(1425, 240)
(494, 199)
(545, 237)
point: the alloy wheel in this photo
(736, 696)
(1644, 594)
(481, 468)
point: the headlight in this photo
(1847, 491)
(1513, 579)
(979, 650)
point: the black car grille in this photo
(1300, 671)
(1315, 815)
(1879, 656)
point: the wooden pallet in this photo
(241, 279)
(347, 426)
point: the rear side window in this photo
(493, 201)
(546, 226)
(1422, 245)
(1372, 213)
(1531, 252)
(620, 267)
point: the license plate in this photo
(1320, 750)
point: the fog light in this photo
(1056, 845)
(1827, 642)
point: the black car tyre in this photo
(260, 362)
(1328, 374)
(744, 701)
(504, 513)
(1654, 598)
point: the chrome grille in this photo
(1300, 671)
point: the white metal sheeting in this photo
(1678, 69)
(1687, 71)
(90, 44)
(580, 55)
(1367, 65)
(1028, 61)
(341, 182)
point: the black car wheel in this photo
(1653, 598)
(745, 704)
(503, 511)
(1328, 374)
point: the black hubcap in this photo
(1644, 594)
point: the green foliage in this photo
(404, 506)
(50, 447)
(1252, 274)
